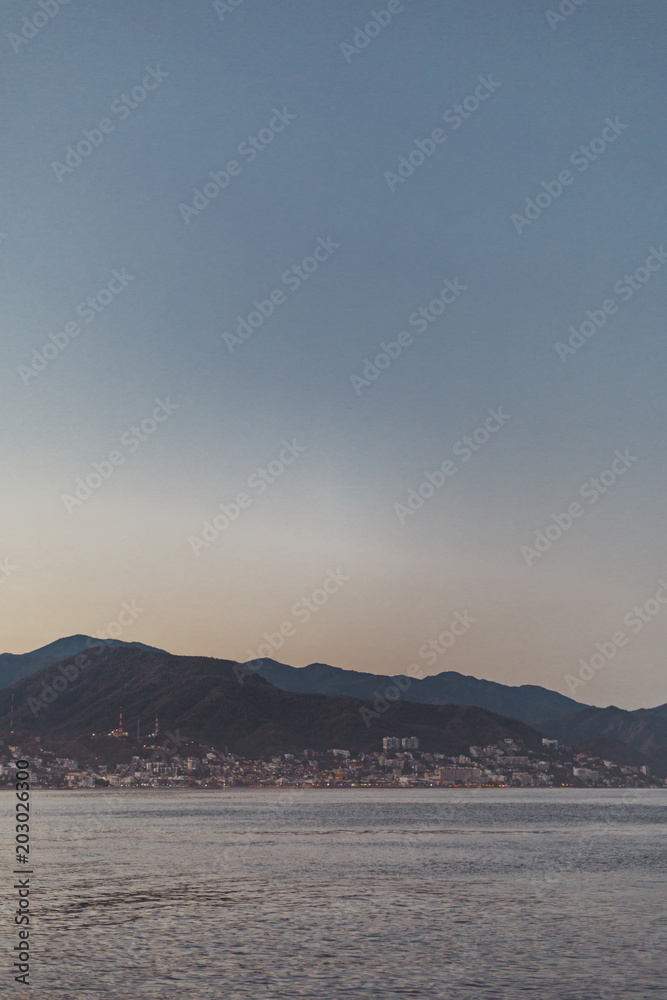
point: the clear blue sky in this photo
(316, 131)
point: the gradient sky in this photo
(71, 567)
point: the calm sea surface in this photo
(347, 893)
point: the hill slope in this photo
(528, 702)
(14, 666)
(202, 697)
(645, 730)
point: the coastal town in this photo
(167, 761)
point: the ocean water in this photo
(348, 893)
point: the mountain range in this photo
(216, 702)
(266, 705)
(530, 703)
(15, 666)
(607, 731)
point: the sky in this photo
(381, 290)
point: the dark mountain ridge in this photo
(643, 732)
(528, 702)
(14, 666)
(625, 734)
(216, 701)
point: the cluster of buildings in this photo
(403, 743)
(398, 764)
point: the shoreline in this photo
(356, 788)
